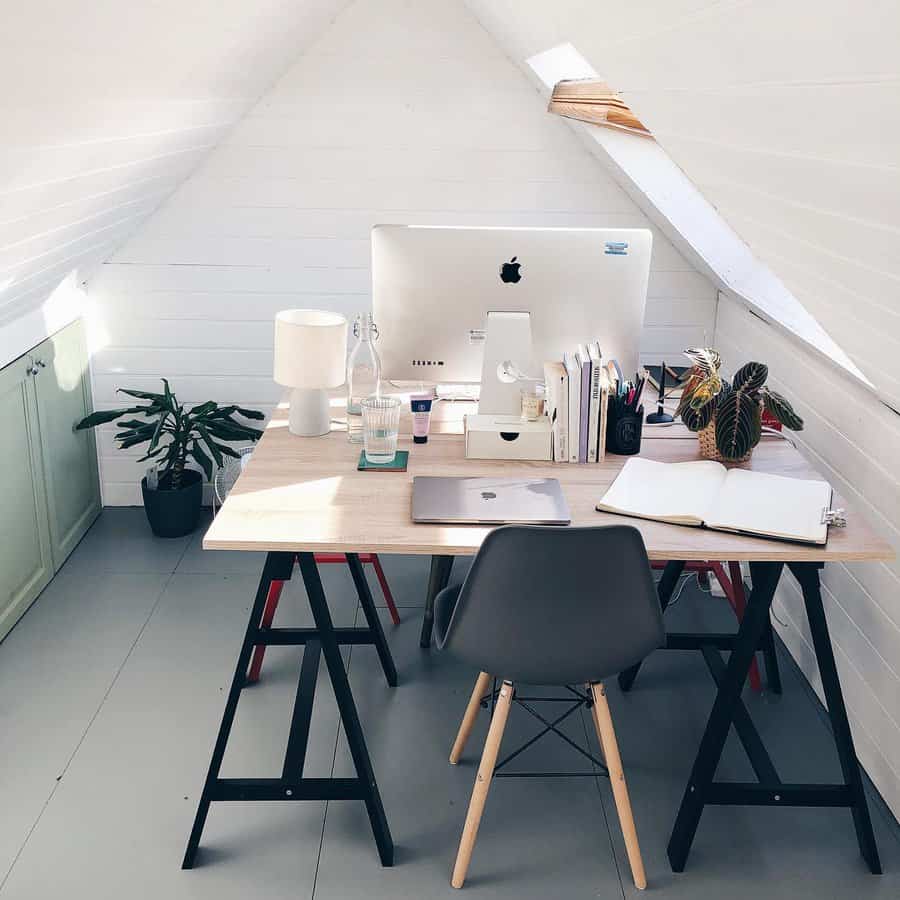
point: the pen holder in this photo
(623, 429)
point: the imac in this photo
(434, 286)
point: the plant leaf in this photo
(100, 418)
(203, 409)
(737, 424)
(232, 431)
(152, 454)
(206, 463)
(225, 450)
(125, 443)
(207, 439)
(158, 399)
(781, 409)
(697, 419)
(706, 360)
(750, 377)
(157, 433)
(251, 413)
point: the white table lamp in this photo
(310, 357)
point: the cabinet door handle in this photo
(41, 364)
(32, 370)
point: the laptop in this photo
(489, 501)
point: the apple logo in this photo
(509, 272)
(488, 495)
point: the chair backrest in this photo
(547, 605)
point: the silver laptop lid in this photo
(489, 501)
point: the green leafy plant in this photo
(736, 406)
(176, 434)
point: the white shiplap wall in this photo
(854, 441)
(105, 109)
(786, 115)
(401, 112)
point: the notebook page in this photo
(772, 505)
(682, 493)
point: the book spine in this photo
(584, 422)
(574, 382)
(594, 421)
(563, 415)
(604, 417)
(552, 380)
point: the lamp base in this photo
(310, 414)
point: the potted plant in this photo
(727, 415)
(175, 435)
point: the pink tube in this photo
(421, 413)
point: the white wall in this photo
(854, 441)
(105, 108)
(401, 112)
(786, 115)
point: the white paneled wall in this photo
(401, 112)
(107, 109)
(854, 441)
(786, 115)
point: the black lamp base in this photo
(659, 418)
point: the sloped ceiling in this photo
(105, 107)
(785, 114)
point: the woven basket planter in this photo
(708, 449)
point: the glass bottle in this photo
(363, 374)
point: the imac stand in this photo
(507, 351)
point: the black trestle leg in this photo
(371, 614)
(664, 590)
(807, 574)
(438, 579)
(765, 577)
(773, 675)
(349, 716)
(277, 567)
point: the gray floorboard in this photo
(126, 710)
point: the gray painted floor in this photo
(111, 690)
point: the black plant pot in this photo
(173, 514)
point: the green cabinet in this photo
(63, 390)
(25, 561)
(49, 486)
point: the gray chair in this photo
(550, 606)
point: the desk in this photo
(298, 496)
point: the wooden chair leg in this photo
(482, 784)
(607, 735)
(597, 729)
(482, 684)
(268, 615)
(385, 589)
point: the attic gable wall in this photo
(401, 112)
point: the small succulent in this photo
(737, 405)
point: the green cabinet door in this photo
(25, 559)
(70, 457)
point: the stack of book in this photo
(577, 398)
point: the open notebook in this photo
(706, 493)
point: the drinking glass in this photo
(381, 425)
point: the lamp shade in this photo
(310, 348)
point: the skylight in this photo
(657, 180)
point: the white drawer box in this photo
(508, 437)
